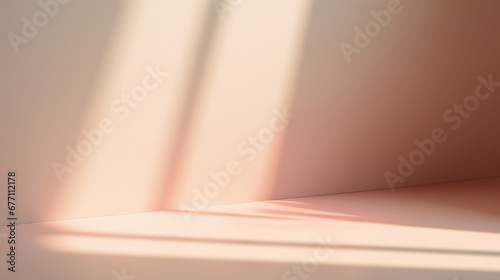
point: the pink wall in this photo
(230, 71)
(355, 119)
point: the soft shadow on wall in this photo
(48, 89)
(357, 118)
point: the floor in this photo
(433, 232)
